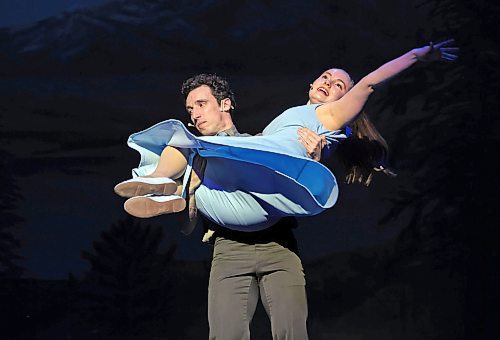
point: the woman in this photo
(251, 182)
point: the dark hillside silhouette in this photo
(73, 87)
(127, 289)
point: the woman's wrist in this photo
(423, 53)
(416, 54)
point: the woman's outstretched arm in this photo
(335, 115)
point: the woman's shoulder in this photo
(303, 108)
(297, 116)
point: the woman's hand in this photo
(313, 143)
(436, 52)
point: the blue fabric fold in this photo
(251, 182)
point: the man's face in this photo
(205, 111)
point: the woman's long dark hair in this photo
(364, 152)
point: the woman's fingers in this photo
(440, 51)
(448, 56)
(442, 43)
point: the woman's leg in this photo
(172, 165)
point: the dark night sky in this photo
(78, 77)
(64, 211)
(25, 12)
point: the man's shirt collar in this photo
(232, 131)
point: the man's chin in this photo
(206, 132)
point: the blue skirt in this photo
(249, 182)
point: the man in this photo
(247, 265)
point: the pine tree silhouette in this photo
(127, 289)
(10, 271)
(9, 244)
(449, 147)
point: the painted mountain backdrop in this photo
(408, 258)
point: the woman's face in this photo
(331, 85)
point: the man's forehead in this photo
(201, 91)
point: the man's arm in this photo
(313, 142)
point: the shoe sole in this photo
(132, 189)
(144, 207)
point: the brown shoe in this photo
(149, 206)
(141, 186)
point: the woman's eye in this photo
(339, 86)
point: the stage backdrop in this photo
(410, 257)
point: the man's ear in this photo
(226, 105)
